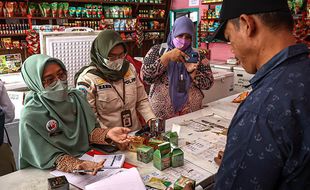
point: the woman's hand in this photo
(118, 135)
(191, 67)
(91, 166)
(175, 55)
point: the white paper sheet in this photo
(81, 181)
(129, 179)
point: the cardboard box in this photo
(177, 157)
(145, 154)
(160, 161)
(154, 143)
(182, 181)
(58, 183)
(171, 137)
(164, 148)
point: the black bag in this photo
(2, 127)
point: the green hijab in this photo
(102, 45)
(40, 143)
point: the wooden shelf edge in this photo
(12, 35)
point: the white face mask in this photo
(115, 65)
(57, 92)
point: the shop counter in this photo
(220, 112)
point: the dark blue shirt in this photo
(268, 143)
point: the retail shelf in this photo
(208, 3)
(5, 49)
(10, 18)
(125, 31)
(154, 30)
(151, 18)
(152, 4)
(154, 39)
(61, 18)
(11, 35)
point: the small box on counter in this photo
(182, 182)
(154, 143)
(135, 142)
(145, 154)
(164, 148)
(171, 137)
(58, 183)
(161, 161)
(177, 157)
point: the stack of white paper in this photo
(128, 179)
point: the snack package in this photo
(122, 25)
(88, 10)
(32, 9)
(78, 12)
(107, 12)
(84, 12)
(66, 9)
(23, 8)
(182, 182)
(72, 11)
(10, 63)
(7, 43)
(54, 9)
(161, 161)
(117, 24)
(100, 11)
(16, 44)
(94, 11)
(1, 9)
(9, 9)
(60, 10)
(45, 9)
(158, 183)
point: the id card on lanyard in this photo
(126, 113)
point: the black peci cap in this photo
(234, 8)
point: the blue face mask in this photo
(57, 91)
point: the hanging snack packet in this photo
(66, 9)
(54, 9)
(72, 11)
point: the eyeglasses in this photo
(51, 80)
(119, 56)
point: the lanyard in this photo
(122, 98)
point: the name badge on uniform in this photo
(126, 118)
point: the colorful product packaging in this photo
(154, 143)
(135, 142)
(171, 137)
(145, 154)
(160, 161)
(158, 183)
(182, 182)
(177, 157)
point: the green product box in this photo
(182, 181)
(160, 161)
(154, 143)
(145, 154)
(164, 148)
(171, 137)
(177, 158)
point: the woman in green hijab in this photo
(112, 85)
(57, 124)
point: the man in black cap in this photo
(268, 142)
